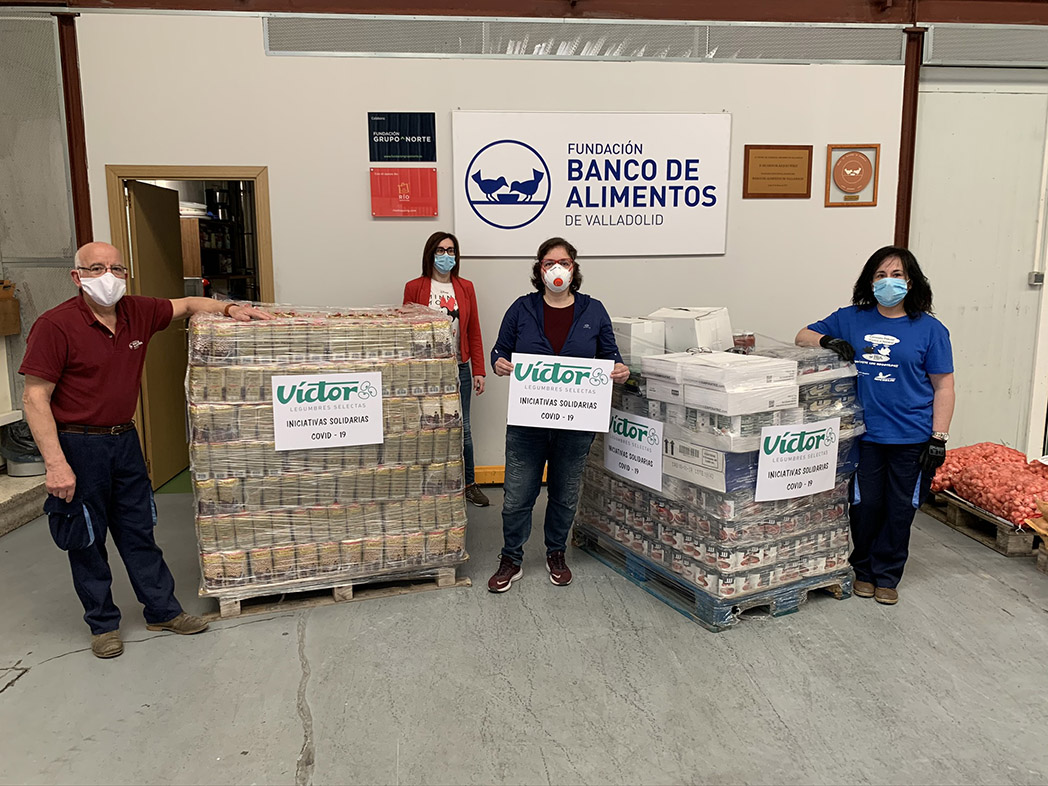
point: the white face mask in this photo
(557, 278)
(106, 290)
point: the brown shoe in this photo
(864, 589)
(185, 624)
(504, 577)
(886, 595)
(476, 496)
(559, 572)
(107, 645)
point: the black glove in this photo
(933, 456)
(844, 350)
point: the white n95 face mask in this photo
(106, 290)
(557, 278)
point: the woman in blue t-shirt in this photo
(905, 364)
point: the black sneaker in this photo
(559, 572)
(476, 496)
(504, 577)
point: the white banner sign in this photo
(612, 184)
(795, 461)
(327, 410)
(551, 391)
(633, 449)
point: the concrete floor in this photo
(595, 683)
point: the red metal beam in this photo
(1012, 12)
(74, 114)
(988, 12)
(908, 139)
(887, 11)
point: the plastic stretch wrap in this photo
(814, 364)
(301, 518)
(720, 557)
(723, 542)
(728, 471)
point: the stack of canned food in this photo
(268, 518)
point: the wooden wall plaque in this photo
(777, 172)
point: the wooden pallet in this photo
(981, 525)
(714, 614)
(267, 602)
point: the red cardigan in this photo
(470, 343)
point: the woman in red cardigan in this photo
(440, 288)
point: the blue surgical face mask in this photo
(890, 291)
(445, 263)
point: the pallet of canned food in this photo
(705, 533)
(272, 521)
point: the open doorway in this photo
(219, 237)
(186, 231)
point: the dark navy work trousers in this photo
(111, 481)
(528, 451)
(887, 490)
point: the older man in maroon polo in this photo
(83, 368)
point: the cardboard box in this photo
(638, 338)
(744, 402)
(666, 367)
(10, 318)
(738, 434)
(696, 326)
(665, 391)
(722, 370)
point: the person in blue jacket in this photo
(557, 319)
(905, 384)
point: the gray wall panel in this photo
(35, 215)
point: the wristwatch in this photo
(225, 311)
(941, 435)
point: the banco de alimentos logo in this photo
(507, 184)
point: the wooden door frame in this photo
(119, 229)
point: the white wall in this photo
(978, 186)
(788, 262)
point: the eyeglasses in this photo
(548, 263)
(450, 251)
(94, 271)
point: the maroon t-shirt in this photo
(557, 323)
(96, 373)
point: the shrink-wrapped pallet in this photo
(273, 520)
(705, 524)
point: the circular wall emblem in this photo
(852, 172)
(507, 184)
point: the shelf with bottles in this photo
(217, 235)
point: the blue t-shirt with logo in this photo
(894, 358)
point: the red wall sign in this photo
(403, 192)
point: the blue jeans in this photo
(528, 450)
(466, 392)
(111, 480)
(886, 492)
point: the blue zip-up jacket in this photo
(523, 330)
